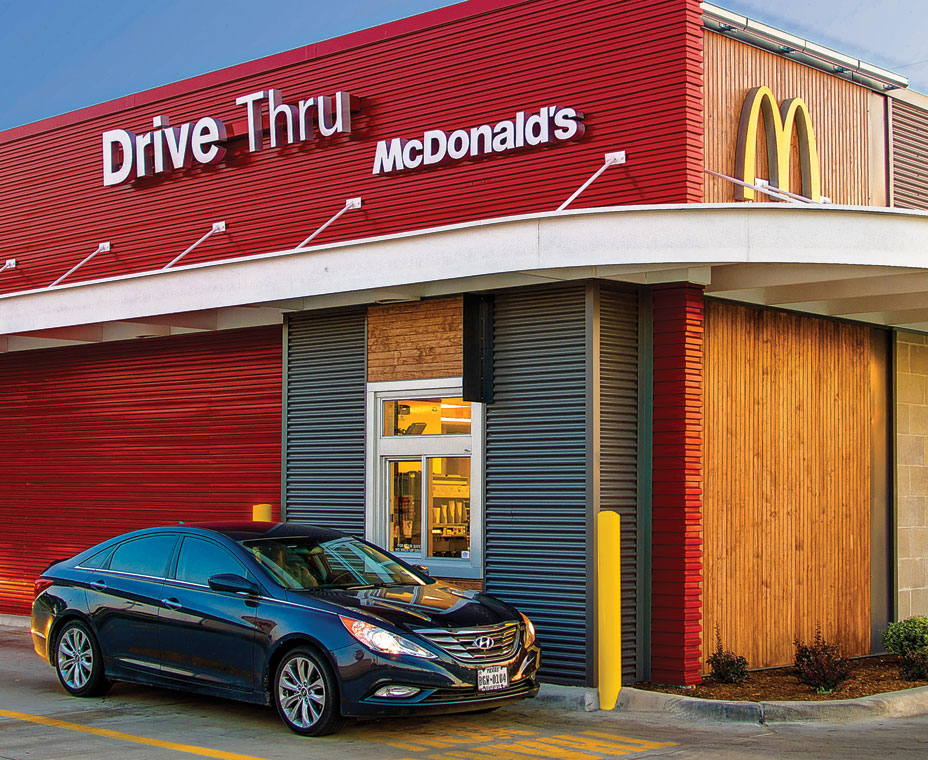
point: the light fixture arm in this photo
(101, 248)
(217, 227)
(612, 159)
(350, 203)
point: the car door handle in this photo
(98, 585)
(172, 604)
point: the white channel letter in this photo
(389, 156)
(436, 146)
(118, 147)
(206, 132)
(159, 123)
(276, 107)
(568, 123)
(306, 118)
(176, 139)
(537, 127)
(341, 121)
(486, 132)
(255, 130)
(409, 160)
(458, 144)
(143, 167)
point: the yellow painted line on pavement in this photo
(105, 732)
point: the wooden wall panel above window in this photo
(787, 482)
(414, 341)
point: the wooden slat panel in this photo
(838, 108)
(787, 482)
(411, 341)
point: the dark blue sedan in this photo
(313, 621)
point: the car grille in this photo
(519, 688)
(462, 643)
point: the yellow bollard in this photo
(261, 513)
(609, 607)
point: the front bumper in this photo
(446, 685)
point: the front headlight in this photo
(383, 641)
(529, 631)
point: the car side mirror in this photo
(234, 584)
(424, 569)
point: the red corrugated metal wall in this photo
(676, 521)
(633, 66)
(98, 440)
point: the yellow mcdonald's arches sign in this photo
(779, 123)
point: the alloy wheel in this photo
(75, 658)
(301, 692)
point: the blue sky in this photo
(60, 55)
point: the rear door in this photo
(207, 636)
(124, 599)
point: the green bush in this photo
(726, 666)
(914, 666)
(908, 636)
(909, 639)
(820, 664)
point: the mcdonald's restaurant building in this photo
(356, 281)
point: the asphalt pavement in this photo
(39, 721)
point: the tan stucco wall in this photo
(912, 474)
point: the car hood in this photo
(412, 607)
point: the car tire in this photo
(78, 661)
(305, 693)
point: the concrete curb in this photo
(897, 704)
(568, 697)
(14, 621)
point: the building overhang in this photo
(862, 263)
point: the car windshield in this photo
(301, 562)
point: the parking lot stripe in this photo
(188, 748)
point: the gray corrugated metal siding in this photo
(618, 312)
(536, 470)
(324, 440)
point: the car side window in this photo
(143, 556)
(97, 560)
(199, 560)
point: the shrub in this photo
(726, 666)
(914, 666)
(909, 639)
(820, 664)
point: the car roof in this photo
(250, 531)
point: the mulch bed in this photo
(872, 675)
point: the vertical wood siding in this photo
(787, 484)
(412, 341)
(676, 522)
(910, 155)
(838, 109)
(633, 66)
(98, 440)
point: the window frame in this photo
(381, 449)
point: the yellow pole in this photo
(609, 607)
(261, 513)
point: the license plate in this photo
(492, 679)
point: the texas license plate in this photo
(492, 679)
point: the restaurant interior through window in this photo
(422, 478)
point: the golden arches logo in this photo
(779, 123)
